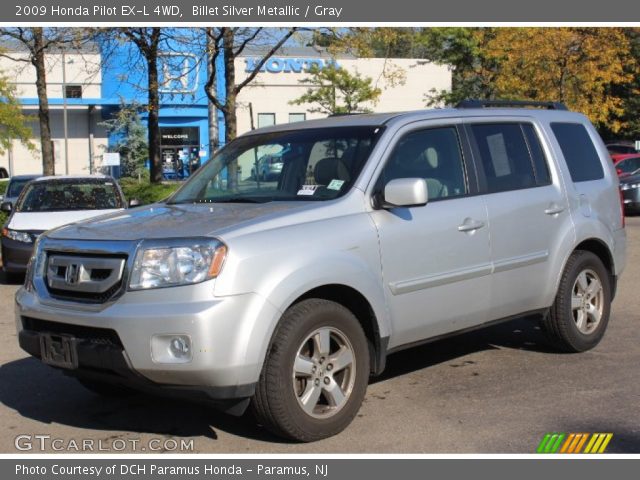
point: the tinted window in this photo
(629, 165)
(69, 195)
(541, 169)
(579, 152)
(16, 186)
(432, 154)
(505, 157)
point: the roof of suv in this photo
(378, 119)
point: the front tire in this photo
(580, 314)
(316, 373)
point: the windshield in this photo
(307, 164)
(16, 186)
(70, 195)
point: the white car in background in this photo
(51, 202)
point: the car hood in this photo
(42, 221)
(167, 221)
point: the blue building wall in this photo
(183, 74)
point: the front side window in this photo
(55, 196)
(433, 154)
(306, 164)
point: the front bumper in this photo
(227, 333)
(15, 255)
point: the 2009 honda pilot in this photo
(381, 231)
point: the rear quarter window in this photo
(579, 152)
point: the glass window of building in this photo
(73, 91)
(266, 119)
(297, 117)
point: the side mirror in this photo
(134, 202)
(6, 207)
(405, 192)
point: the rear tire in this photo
(580, 314)
(316, 372)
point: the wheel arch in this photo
(356, 303)
(601, 250)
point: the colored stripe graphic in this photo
(550, 443)
(574, 442)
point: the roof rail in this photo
(475, 103)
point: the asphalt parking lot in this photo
(491, 391)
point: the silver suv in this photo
(380, 232)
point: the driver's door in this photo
(436, 259)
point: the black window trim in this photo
(477, 158)
(468, 167)
(544, 155)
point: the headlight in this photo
(17, 236)
(629, 186)
(156, 267)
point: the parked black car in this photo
(630, 187)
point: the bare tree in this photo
(147, 41)
(37, 42)
(231, 42)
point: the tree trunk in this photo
(229, 111)
(154, 111)
(211, 108)
(46, 147)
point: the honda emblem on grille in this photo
(72, 274)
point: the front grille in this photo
(94, 335)
(84, 278)
(85, 297)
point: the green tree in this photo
(132, 144)
(463, 49)
(13, 123)
(628, 93)
(333, 90)
(460, 48)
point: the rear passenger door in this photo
(527, 209)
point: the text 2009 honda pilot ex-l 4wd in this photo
(381, 231)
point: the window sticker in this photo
(499, 157)
(307, 190)
(335, 184)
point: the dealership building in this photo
(87, 87)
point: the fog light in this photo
(180, 347)
(171, 349)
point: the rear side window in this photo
(505, 157)
(579, 152)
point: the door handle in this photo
(554, 209)
(470, 225)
